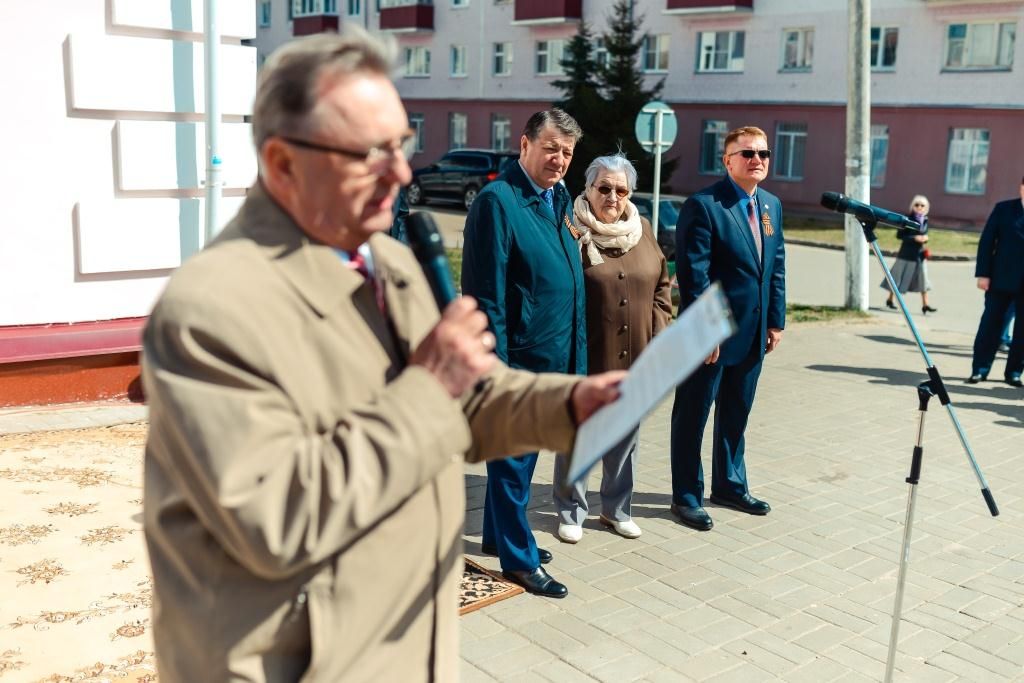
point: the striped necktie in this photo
(755, 229)
(548, 196)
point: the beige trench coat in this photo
(304, 494)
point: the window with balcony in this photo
(501, 132)
(967, 165)
(720, 51)
(264, 15)
(354, 7)
(654, 53)
(883, 47)
(549, 57)
(797, 49)
(458, 61)
(502, 59)
(458, 124)
(417, 62)
(980, 45)
(879, 154)
(416, 122)
(305, 8)
(600, 52)
(790, 150)
(712, 146)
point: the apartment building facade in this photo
(946, 86)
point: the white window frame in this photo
(654, 53)
(600, 52)
(716, 129)
(969, 147)
(354, 7)
(803, 45)
(790, 139)
(708, 49)
(971, 57)
(458, 130)
(505, 55)
(551, 52)
(417, 62)
(416, 123)
(313, 8)
(878, 154)
(460, 4)
(501, 129)
(457, 61)
(263, 18)
(877, 47)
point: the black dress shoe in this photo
(538, 582)
(890, 304)
(745, 503)
(925, 310)
(1014, 381)
(975, 378)
(695, 518)
(544, 555)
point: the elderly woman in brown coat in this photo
(628, 302)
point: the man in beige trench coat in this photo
(309, 411)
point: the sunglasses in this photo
(749, 153)
(605, 190)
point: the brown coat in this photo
(304, 493)
(629, 300)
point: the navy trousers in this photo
(986, 342)
(731, 389)
(505, 523)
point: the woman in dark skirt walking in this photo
(910, 270)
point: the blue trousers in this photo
(986, 342)
(731, 389)
(505, 523)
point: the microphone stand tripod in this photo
(925, 391)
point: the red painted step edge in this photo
(19, 344)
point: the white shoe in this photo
(627, 529)
(570, 533)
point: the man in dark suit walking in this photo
(1000, 273)
(730, 232)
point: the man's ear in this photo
(277, 165)
(522, 144)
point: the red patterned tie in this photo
(357, 263)
(754, 227)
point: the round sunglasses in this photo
(605, 189)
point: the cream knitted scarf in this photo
(623, 234)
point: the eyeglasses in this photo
(920, 204)
(765, 154)
(379, 160)
(620, 192)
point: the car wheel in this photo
(469, 196)
(414, 194)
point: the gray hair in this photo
(562, 121)
(920, 198)
(616, 163)
(286, 90)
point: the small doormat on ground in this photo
(481, 587)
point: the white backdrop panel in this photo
(237, 18)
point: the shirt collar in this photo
(364, 251)
(537, 188)
(743, 193)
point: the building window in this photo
(720, 51)
(797, 49)
(549, 57)
(354, 7)
(458, 61)
(416, 123)
(790, 149)
(305, 8)
(460, 3)
(879, 154)
(982, 45)
(457, 126)
(654, 53)
(712, 146)
(600, 52)
(501, 132)
(502, 59)
(417, 62)
(883, 47)
(968, 161)
(264, 15)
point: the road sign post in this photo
(656, 130)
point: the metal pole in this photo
(211, 30)
(656, 194)
(858, 154)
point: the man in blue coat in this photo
(1000, 273)
(521, 262)
(730, 232)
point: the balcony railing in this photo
(314, 23)
(547, 11)
(708, 6)
(407, 15)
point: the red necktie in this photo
(357, 263)
(754, 227)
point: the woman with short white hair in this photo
(910, 269)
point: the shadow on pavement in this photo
(958, 350)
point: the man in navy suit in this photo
(730, 232)
(1000, 273)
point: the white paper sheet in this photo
(670, 358)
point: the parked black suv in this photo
(458, 176)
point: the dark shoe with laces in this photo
(695, 518)
(1014, 381)
(976, 377)
(538, 582)
(745, 503)
(544, 555)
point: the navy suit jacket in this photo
(714, 243)
(1001, 247)
(523, 265)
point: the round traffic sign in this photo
(646, 125)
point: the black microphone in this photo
(866, 212)
(428, 247)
